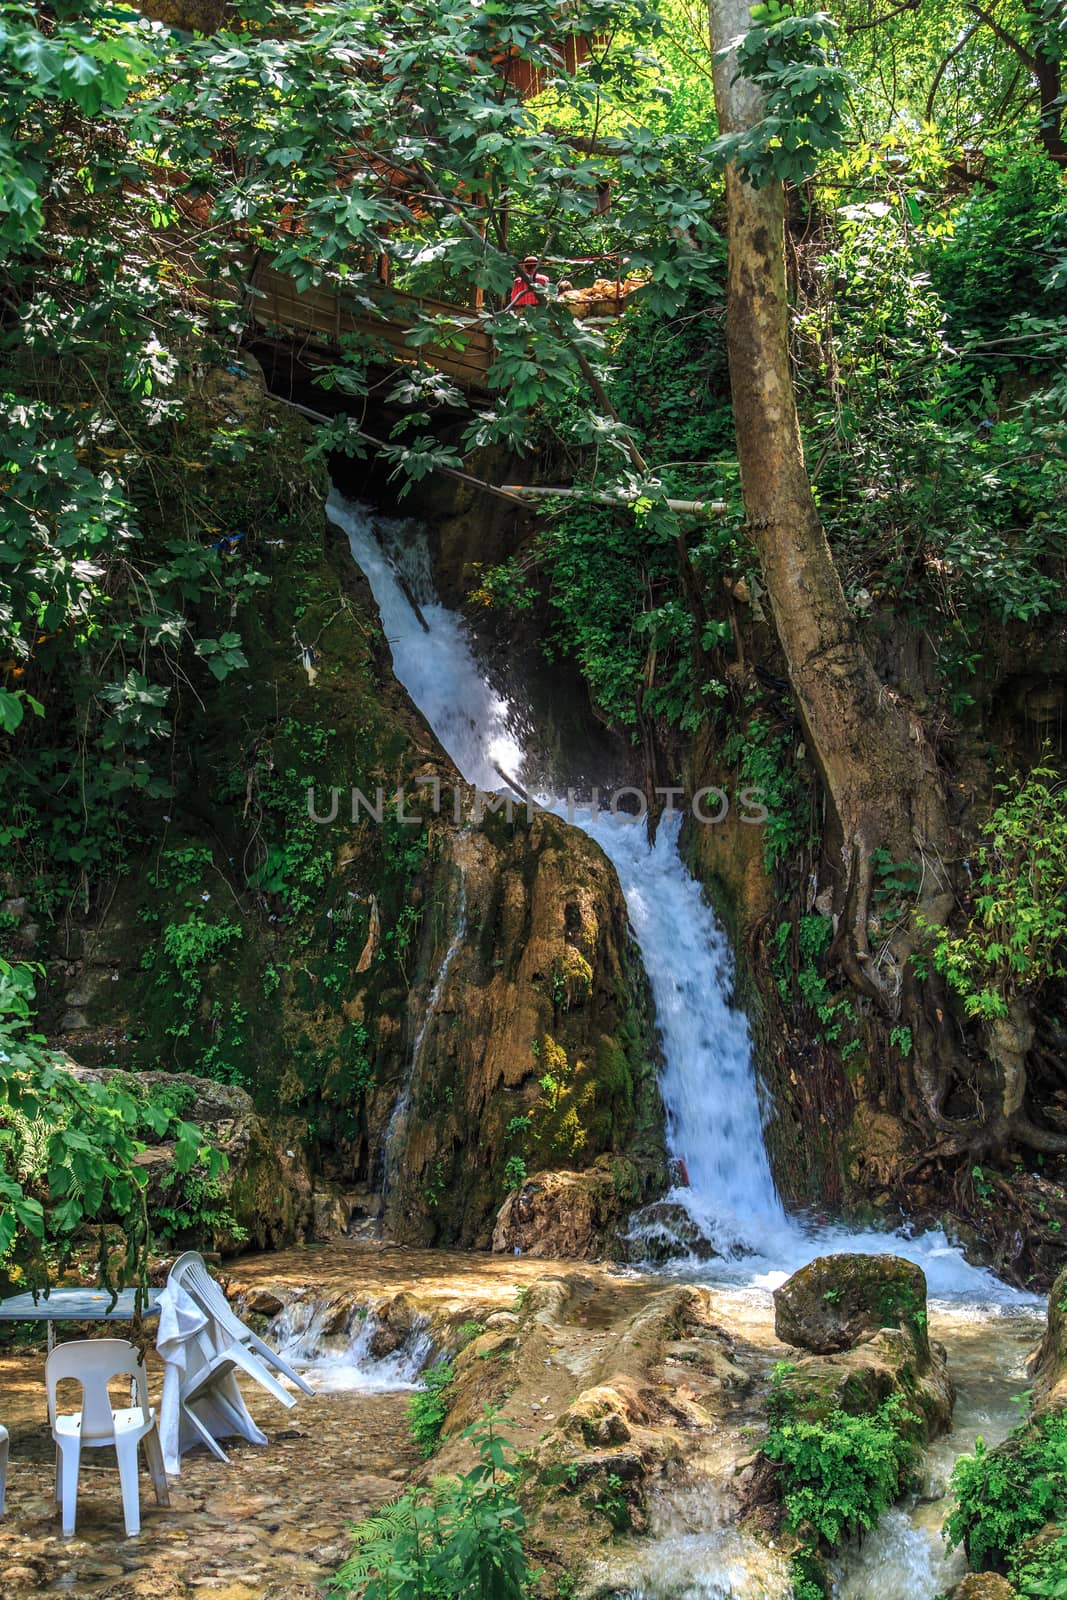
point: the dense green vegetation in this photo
(1006, 1496)
(459, 1537)
(183, 654)
(926, 243)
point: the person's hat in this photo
(529, 261)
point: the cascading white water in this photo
(438, 668)
(709, 1089)
(331, 1346)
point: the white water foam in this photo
(333, 1351)
(709, 1088)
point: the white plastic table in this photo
(76, 1305)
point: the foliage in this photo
(1017, 926)
(789, 58)
(839, 1475)
(939, 490)
(1041, 1573)
(69, 1147)
(192, 945)
(763, 754)
(797, 961)
(428, 1408)
(1004, 1496)
(994, 266)
(459, 1537)
(514, 1173)
(612, 579)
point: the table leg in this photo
(50, 1325)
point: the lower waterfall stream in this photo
(715, 1124)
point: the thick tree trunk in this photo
(878, 771)
(879, 775)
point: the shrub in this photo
(428, 1408)
(840, 1474)
(1004, 1496)
(1016, 937)
(459, 1537)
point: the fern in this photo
(457, 1539)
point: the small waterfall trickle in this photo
(394, 1133)
(331, 1343)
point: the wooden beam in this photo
(380, 444)
(689, 508)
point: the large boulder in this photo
(835, 1301)
(568, 1215)
(1050, 1373)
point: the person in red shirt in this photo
(525, 287)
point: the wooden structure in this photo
(318, 319)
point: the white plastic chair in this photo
(4, 1447)
(190, 1272)
(93, 1363)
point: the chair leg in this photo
(205, 1434)
(4, 1447)
(153, 1451)
(255, 1369)
(70, 1455)
(126, 1455)
(59, 1483)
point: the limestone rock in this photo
(836, 1300)
(263, 1301)
(542, 981)
(331, 1213)
(984, 1586)
(882, 1365)
(1050, 1375)
(665, 1231)
(564, 1214)
(396, 1321)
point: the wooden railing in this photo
(321, 316)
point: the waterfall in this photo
(329, 1341)
(709, 1087)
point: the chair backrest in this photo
(94, 1363)
(191, 1274)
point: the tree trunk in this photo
(879, 775)
(878, 771)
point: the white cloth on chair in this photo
(180, 1340)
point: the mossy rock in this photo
(1050, 1377)
(835, 1301)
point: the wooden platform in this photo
(322, 316)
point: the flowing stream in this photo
(709, 1087)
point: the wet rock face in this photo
(1050, 1376)
(533, 1050)
(664, 1231)
(835, 1301)
(570, 1215)
(611, 1387)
